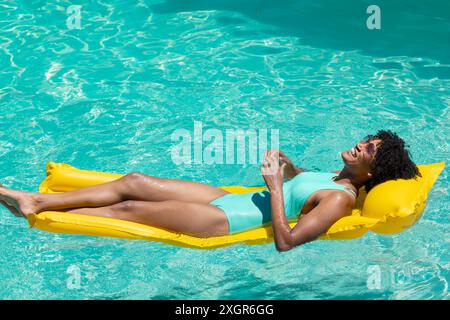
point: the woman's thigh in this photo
(196, 219)
(148, 188)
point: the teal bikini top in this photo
(302, 186)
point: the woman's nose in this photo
(360, 144)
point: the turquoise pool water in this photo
(108, 96)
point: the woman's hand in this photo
(272, 171)
(291, 170)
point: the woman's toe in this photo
(11, 208)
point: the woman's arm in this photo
(273, 176)
(290, 173)
(308, 227)
(281, 229)
(290, 170)
(312, 225)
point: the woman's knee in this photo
(134, 177)
(124, 207)
(135, 181)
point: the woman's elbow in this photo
(285, 247)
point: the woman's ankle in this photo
(40, 201)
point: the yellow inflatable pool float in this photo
(389, 208)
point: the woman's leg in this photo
(133, 186)
(196, 219)
(12, 209)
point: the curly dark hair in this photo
(392, 160)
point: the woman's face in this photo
(359, 158)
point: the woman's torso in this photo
(301, 194)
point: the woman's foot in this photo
(11, 209)
(20, 203)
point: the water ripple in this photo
(108, 96)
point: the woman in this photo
(317, 199)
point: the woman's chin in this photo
(344, 156)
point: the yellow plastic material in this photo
(389, 208)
